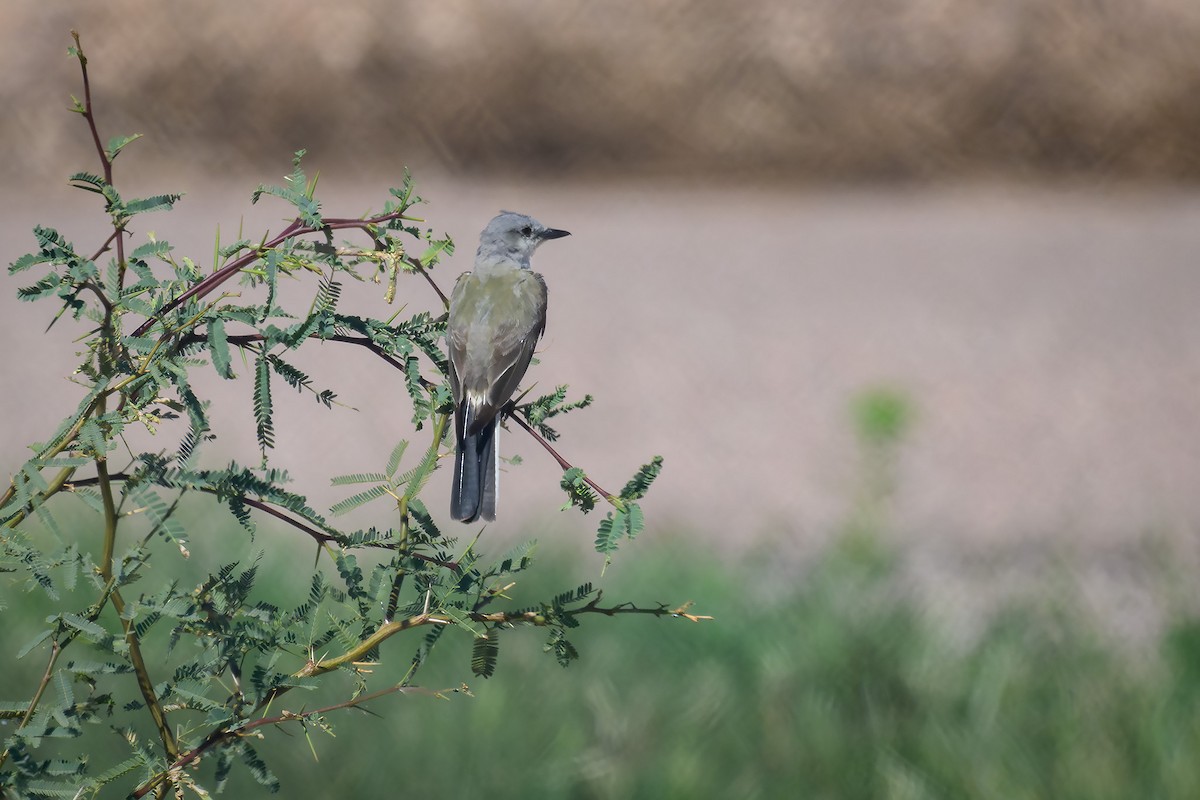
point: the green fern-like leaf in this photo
(484, 654)
(46, 287)
(160, 202)
(120, 770)
(579, 593)
(328, 293)
(437, 248)
(89, 629)
(352, 574)
(294, 377)
(359, 477)
(198, 427)
(27, 261)
(397, 453)
(155, 248)
(224, 766)
(548, 406)
(264, 425)
(218, 347)
(425, 524)
(564, 652)
(34, 642)
(639, 484)
(47, 519)
(158, 512)
(578, 492)
(354, 501)
(241, 513)
(517, 559)
(636, 520)
(296, 193)
(146, 277)
(612, 529)
(416, 391)
(89, 497)
(88, 181)
(118, 143)
(92, 439)
(271, 276)
(258, 768)
(62, 461)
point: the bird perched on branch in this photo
(497, 314)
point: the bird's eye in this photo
(527, 231)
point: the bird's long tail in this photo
(476, 472)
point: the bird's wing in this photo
(488, 359)
(515, 340)
(456, 337)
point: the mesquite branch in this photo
(135, 382)
(106, 160)
(295, 228)
(534, 618)
(318, 536)
(223, 734)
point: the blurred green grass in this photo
(820, 680)
(820, 677)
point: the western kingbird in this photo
(497, 314)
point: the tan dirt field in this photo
(1047, 340)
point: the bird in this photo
(497, 315)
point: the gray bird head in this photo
(514, 237)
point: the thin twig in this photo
(321, 537)
(419, 267)
(220, 735)
(294, 229)
(55, 649)
(241, 340)
(217, 278)
(536, 618)
(562, 462)
(104, 247)
(55, 484)
(90, 115)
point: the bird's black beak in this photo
(554, 233)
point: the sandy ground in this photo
(1047, 339)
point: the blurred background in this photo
(904, 291)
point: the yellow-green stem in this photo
(366, 645)
(106, 572)
(52, 488)
(63, 443)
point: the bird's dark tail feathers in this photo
(475, 474)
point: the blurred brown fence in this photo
(821, 88)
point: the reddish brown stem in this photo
(294, 229)
(562, 462)
(319, 536)
(421, 269)
(107, 162)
